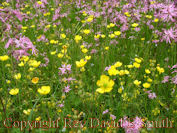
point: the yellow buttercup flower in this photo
(148, 16)
(84, 50)
(39, 2)
(90, 18)
(97, 36)
(8, 81)
(103, 36)
(14, 91)
(24, 27)
(34, 63)
(113, 71)
(77, 38)
(17, 76)
(160, 70)
(86, 31)
(135, 25)
(138, 60)
(142, 39)
(117, 33)
(60, 55)
(53, 52)
(24, 58)
(27, 112)
(87, 57)
(112, 25)
(63, 36)
(135, 64)
(147, 71)
(156, 20)
(137, 83)
(112, 35)
(130, 66)
(44, 90)
(105, 84)
(21, 64)
(146, 85)
(81, 63)
(118, 64)
(35, 80)
(4, 58)
(120, 90)
(38, 118)
(149, 80)
(106, 48)
(82, 69)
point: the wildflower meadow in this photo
(88, 66)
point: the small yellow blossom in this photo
(130, 66)
(21, 64)
(60, 55)
(38, 118)
(77, 38)
(90, 18)
(44, 90)
(135, 25)
(137, 65)
(138, 60)
(39, 2)
(146, 85)
(87, 57)
(81, 63)
(142, 39)
(118, 64)
(63, 36)
(160, 70)
(35, 80)
(106, 48)
(17, 76)
(148, 16)
(86, 31)
(84, 50)
(137, 83)
(149, 80)
(113, 71)
(112, 35)
(97, 36)
(53, 52)
(105, 84)
(27, 112)
(4, 58)
(34, 63)
(112, 25)
(120, 90)
(117, 33)
(147, 71)
(82, 69)
(14, 91)
(156, 20)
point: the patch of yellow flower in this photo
(17, 76)
(44, 90)
(35, 80)
(4, 58)
(104, 84)
(146, 85)
(34, 63)
(14, 91)
(27, 112)
(81, 63)
(77, 38)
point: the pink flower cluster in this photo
(20, 47)
(132, 127)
